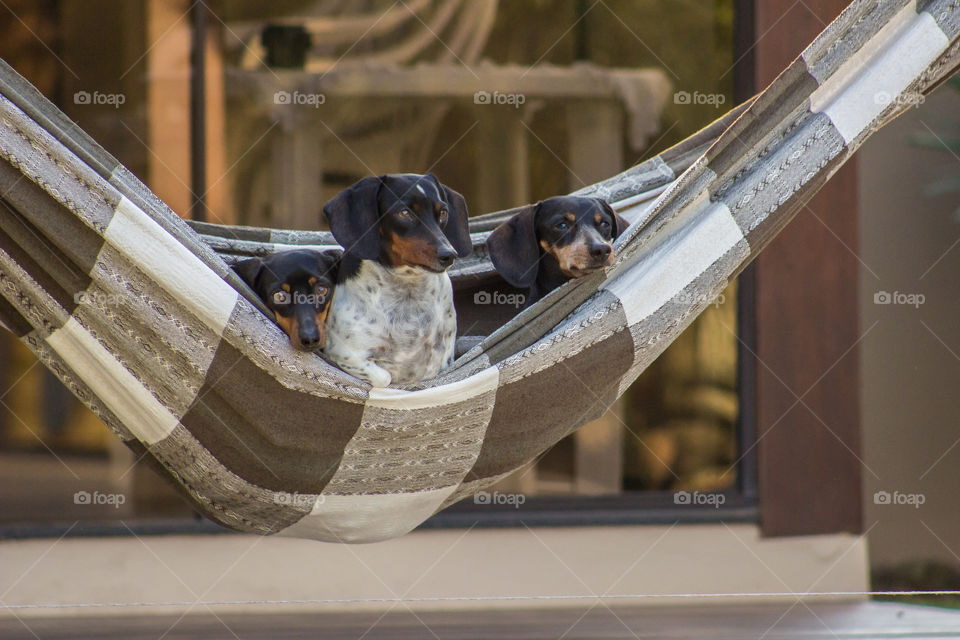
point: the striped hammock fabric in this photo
(138, 313)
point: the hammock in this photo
(140, 316)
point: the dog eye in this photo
(281, 297)
(442, 216)
(322, 292)
(404, 214)
(562, 226)
(604, 224)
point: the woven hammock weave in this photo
(140, 316)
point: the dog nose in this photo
(310, 339)
(600, 251)
(445, 257)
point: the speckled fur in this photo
(392, 325)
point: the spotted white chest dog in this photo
(392, 318)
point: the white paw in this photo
(378, 376)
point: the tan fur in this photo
(321, 326)
(416, 252)
(574, 259)
(290, 327)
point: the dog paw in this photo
(378, 377)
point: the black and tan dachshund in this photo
(553, 241)
(392, 319)
(297, 286)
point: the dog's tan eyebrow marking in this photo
(285, 287)
(571, 217)
(312, 281)
(597, 218)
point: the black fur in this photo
(305, 304)
(517, 246)
(366, 220)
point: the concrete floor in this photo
(722, 622)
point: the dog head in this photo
(576, 232)
(296, 286)
(402, 220)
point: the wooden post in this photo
(503, 169)
(595, 131)
(296, 171)
(805, 313)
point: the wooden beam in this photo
(809, 469)
(168, 100)
(502, 84)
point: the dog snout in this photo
(600, 252)
(310, 338)
(446, 256)
(309, 333)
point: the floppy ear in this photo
(354, 216)
(249, 271)
(514, 250)
(458, 225)
(619, 224)
(330, 262)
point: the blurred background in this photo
(256, 113)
